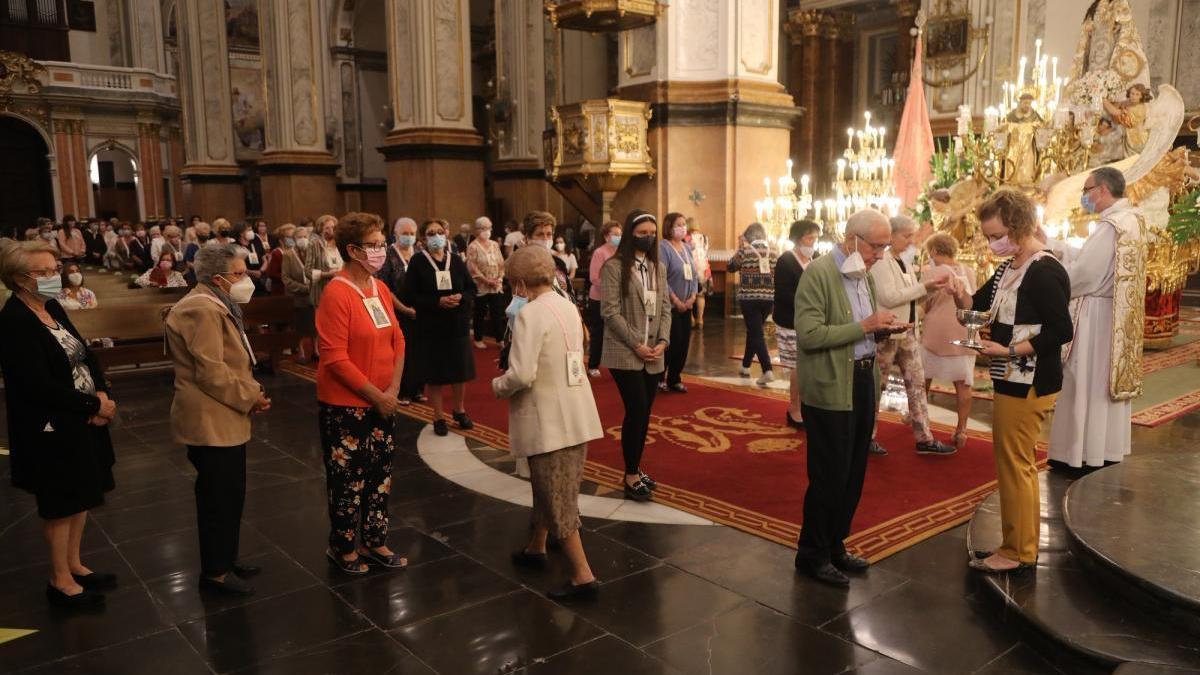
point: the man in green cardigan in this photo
(836, 326)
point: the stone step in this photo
(1134, 526)
(1066, 603)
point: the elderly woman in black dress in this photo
(58, 415)
(439, 286)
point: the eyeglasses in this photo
(44, 274)
(380, 246)
(876, 247)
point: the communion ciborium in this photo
(973, 321)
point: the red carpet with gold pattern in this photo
(722, 452)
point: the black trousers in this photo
(755, 313)
(410, 383)
(220, 495)
(637, 389)
(595, 334)
(837, 465)
(489, 316)
(677, 351)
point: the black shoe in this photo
(80, 600)
(826, 573)
(637, 492)
(848, 562)
(231, 585)
(533, 561)
(440, 428)
(464, 422)
(96, 581)
(877, 449)
(678, 388)
(648, 481)
(662, 386)
(794, 423)
(935, 447)
(246, 571)
(569, 591)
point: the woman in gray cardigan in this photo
(636, 308)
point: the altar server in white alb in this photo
(1102, 366)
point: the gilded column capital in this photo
(837, 26)
(907, 9)
(804, 23)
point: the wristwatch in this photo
(1012, 351)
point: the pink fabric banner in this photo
(914, 142)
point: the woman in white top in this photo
(74, 295)
(566, 255)
(322, 259)
(699, 243)
(485, 262)
(552, 415)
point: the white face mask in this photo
(242, 291)
(302, 242)
(560, 247)
(547, 243)
(806, 251)
(909, 254)
(854, 266)
(75, 278)
(485, 235)
(250, 235)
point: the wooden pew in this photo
(136, 330)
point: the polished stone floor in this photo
(675, 598)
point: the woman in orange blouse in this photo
(362, 359)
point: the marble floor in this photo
(676, 598)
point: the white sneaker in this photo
(594, 372)
(767, 378)
(480, 345)
(744, 372)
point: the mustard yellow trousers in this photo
(1016, 426)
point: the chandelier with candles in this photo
(863, 179)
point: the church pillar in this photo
(906, 15)
(66, 170)
(518, 111)
(150, 159)
(146, 40)
(721, 120)
(434, 155)
(212, 185)
(298, 172)
(804, 62)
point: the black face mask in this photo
(644, 243)
(202, 238)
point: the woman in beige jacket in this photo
(215, 394)
(552, 414)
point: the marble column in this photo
(146, 35)
(434, 155)
(804, 74)
(212, 184)
(150, 160)
(298, 172)
(73, 201)
(721, 119)
(518, 110)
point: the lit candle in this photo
(767, 185)
(1054, 66)
(1037, 54)
(1021, 75)
(841, 169)
(804, 184)
(850, 139)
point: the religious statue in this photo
(1109, 56)
(1108, 145)
(1131, 114)
(1021, 153)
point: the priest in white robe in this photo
(1102, 367)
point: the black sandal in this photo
(356, 566)
(464, 422)
(394, 561)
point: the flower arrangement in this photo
(1096, 87)
(1184, 222)
(948, 168)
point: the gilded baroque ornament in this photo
(603, 16)
(954, 48)
(19, 74)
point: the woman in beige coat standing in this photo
(551, 415)
(215, 394)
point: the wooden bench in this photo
(136, 330)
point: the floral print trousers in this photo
(358, 446)
(904, 351)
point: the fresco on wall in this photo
(241, 24)
(246, 98)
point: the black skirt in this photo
(442, 358)
(82, 487)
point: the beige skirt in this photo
(555, 478)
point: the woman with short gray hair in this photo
(58, 410)
(215, 394)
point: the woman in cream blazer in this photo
(552, 414)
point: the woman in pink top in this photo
(942, 360)
(610, 236)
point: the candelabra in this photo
(791, 202)
(870, 175)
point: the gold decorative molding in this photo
(818, 23)
(711, 91)
(600, 143)
(18, 70)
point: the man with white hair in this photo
(898, 291)
(836, 325)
